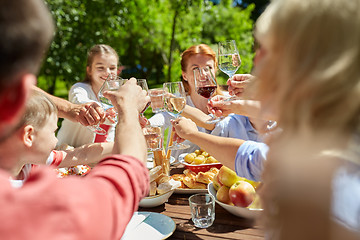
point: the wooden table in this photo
(225, 226)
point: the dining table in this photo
(225, 226)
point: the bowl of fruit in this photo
(199, 161)
(235, 194)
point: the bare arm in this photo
(222, 148)
(88, 154)
(198, 116)
(86, 114)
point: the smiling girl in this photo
(102, 60)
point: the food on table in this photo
(192, 180)
(242, 193)
(199, 157)
(223, 195)
(79, 170)
(234, 190)
(161, 183)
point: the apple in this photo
(223, 195)
(242, 193)
(216, 183)
(256, 204)
(227, 176)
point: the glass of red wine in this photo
(205, 86)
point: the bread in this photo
(155, 173)
(153, 186)
(206, 177)
(162, 178)
(167, 186)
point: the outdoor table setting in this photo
(172, 218)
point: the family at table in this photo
(293, 124)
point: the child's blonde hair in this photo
(38, 109)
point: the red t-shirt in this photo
(97, 206)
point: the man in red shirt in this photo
(97, 206)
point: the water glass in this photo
(157, 99)
(154, 136)
(202, 207)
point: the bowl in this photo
(237, 211)
(157, 200)
(199, 167)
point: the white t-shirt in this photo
(75, 134)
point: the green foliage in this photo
(149, 36)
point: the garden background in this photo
(149, 36)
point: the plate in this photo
(237, 211)
(157, 200)
(150, 160)
(199, 167)
(189, 191)
(149, 226)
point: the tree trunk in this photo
(172, 44)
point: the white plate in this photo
(149, 226)
(189, 191)
(156, 200)
(237, 211)
(150, 159)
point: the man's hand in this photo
(237, 84)
(87, 114)
(129, 96)
(184, 128)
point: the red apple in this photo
(223, 195)
(227, 176)
(216, 183)
(242, 193)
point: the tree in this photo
(149, 35)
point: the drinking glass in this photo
(175, 101)
(202, 208)
(143, 84)
(108, 85)
(154, 136)
(112, 83)
(157, 99)
(228, 57)
(205, 86)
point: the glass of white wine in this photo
(228, 59)
(112, 83)
(175, 101)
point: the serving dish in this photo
(157, 200)
(237, 211)
(199, 167)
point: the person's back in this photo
(97, 206)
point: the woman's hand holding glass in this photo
(238, 83)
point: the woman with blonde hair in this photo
(309, 77)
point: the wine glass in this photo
(144, 86)
(175, 101)
(106, 104)
(228, 59)
(112, 83)
(205, 86)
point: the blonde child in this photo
(38, 136)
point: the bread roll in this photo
(155, 173)
(153, 186)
